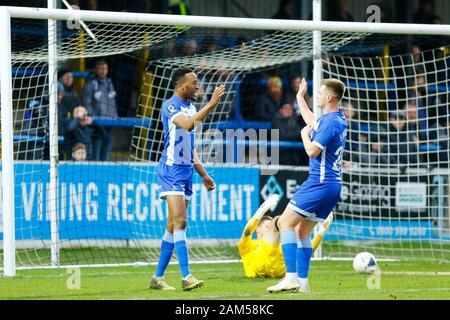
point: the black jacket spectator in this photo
(289, 130)
(267, 104)
(401, 145)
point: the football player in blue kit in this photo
(324, 140)
(175, 170)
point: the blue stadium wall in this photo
(102, 201)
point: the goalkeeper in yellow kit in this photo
(263, 257)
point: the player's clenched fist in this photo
(209, 183)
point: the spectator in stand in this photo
(73, 122)
(417, 91)
(79, 152)
(285, 10)
(69, 97)
(35, 127)
(285, 121)
(353, 137)
(436, 136)
(290, 96)
(338, 11)
(100, 100)
(190, 48)
(362, 154)
(67, 100)
(210, 44)
(429, 104)
(416, 53)
(349, 111)
(371, 150)
(267, 104)
(379, 152)
(416, 120)
(79, 130)
(437, 140)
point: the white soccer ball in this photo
(364, 262)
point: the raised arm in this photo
(307, 114)
(189, 123)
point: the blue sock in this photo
(182, 251)
(167, 247)
(289, 247)
(304, 253)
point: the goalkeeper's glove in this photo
(265, 206)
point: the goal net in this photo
(395, 199)
(109, 211)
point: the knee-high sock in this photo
(167, 247)
(288, 246)
(304, 253)
(182, 251)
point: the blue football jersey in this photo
(329, 134)
(178, 142)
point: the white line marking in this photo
(416, 273)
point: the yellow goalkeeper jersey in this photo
(261, 259)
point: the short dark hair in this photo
(100, 62)
(63, 71)
(179, 74)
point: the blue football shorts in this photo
(314, 201)
(175, 180)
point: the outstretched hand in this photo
(217, 94)
(303, 87)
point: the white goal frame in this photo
(6, 13)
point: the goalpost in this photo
(62, 212)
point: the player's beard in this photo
(194, 97)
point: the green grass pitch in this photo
(328, 280)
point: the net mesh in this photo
(396, 187)
(92, 40)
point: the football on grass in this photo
(364, 262)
